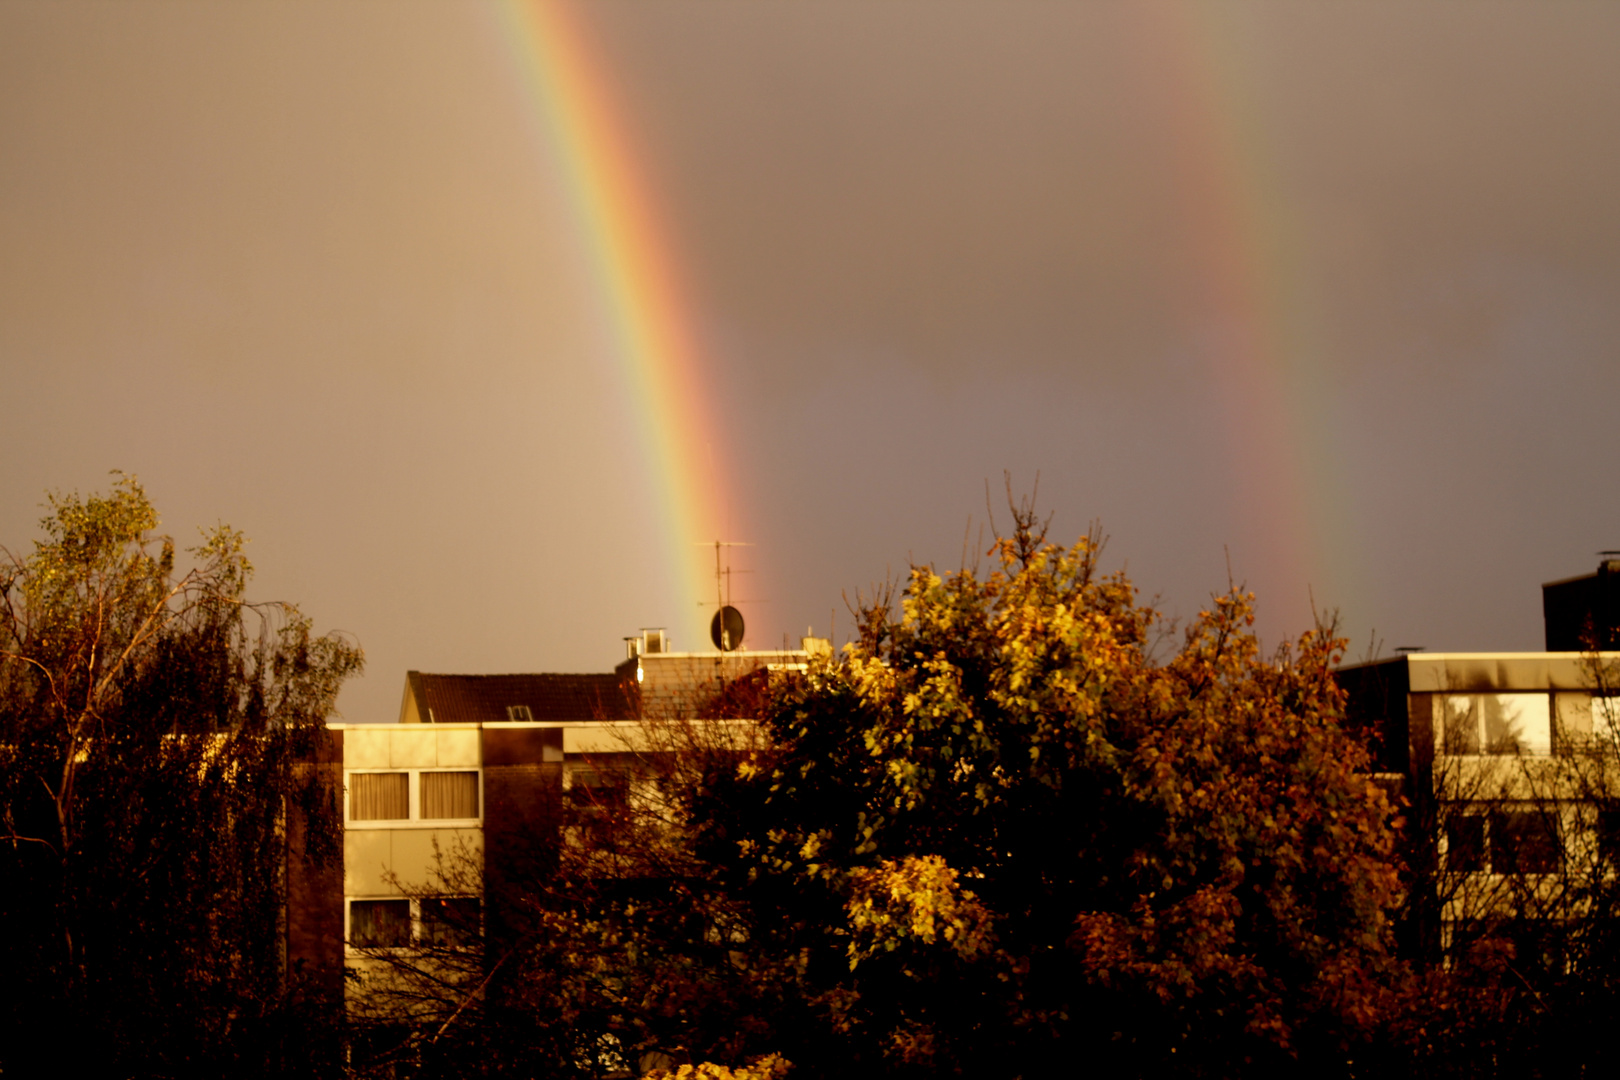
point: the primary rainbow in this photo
(656, 341)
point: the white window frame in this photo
(415, 918)
(1534, 748)
(414, 790)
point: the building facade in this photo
(1509, 765)
(470, 783)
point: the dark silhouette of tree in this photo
(155, 734)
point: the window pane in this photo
(450, 795)
(597, 787)
(1461, 725)
(1525, 842)
(379, 796)
(450, 920)
(1605, 718)
(1517, 724)
(1465, 844)
(1497, 724)
(1608, 836)
(379, 924)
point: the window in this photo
(1465, 844)
(1608, 836)
(379, 796)
(447, 921)
(1496, 724)
(379, 924)
(451, 921)
(1503, 842)
(449, 795)
(597, 798)
(1605, 718)
(586, 786)
(1536, 946)
(405, 796)
(1524, 842)
(519, 712)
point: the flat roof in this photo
(1462, 672)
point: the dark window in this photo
(1539, 951)
(379, 924)
(1608, 836)
(1535, 947)
(597, 787)
(451, 920)
(1524, 842)
(1465, 844)
(520, 713)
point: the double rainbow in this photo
(1264, 358)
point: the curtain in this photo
(379, 796)
(379, 924)
(449, 795)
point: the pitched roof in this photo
(460, 699)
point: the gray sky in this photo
(1326, 293)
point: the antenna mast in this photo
(726, 629)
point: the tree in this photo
(1000, 836)
(154, 730)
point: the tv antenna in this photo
(726, 628)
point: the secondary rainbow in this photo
(655, 339)
(1257, 305)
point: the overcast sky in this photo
(1328, 294)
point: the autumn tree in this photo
(1017, 829)
(1002, 836)
(153, 729)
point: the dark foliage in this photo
(155, 738)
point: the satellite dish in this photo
(726, 629)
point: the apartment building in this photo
(470, 781)
(1509, 764)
